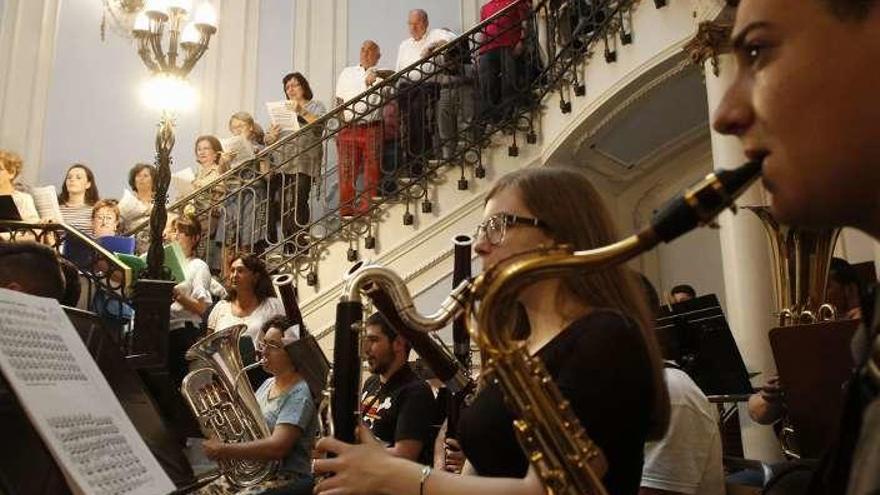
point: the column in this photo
(27, 48)
(745, 251)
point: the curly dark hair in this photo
(263, 282)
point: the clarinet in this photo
(286, 292)
(461, 339)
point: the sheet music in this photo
(281, 114)
(70, 403)
(242, 148)
(182, 182)
(46, 202)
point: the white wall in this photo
(275, 53)
(384, 21)
(94, 114)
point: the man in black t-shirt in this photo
(396, 405)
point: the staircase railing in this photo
(434, 128)
(108, 281)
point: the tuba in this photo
(801, 259)
(565, 458)
(225, 404)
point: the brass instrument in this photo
(225, 404)
(565, 458)
(801, 259)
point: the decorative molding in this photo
(712, 39)
(638, 94)
(592, 110)
(420, 237)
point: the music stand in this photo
(696, 335)
(814, 362)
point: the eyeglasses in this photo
(496, 226)
(106, 218)
(261, 347)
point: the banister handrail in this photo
(40, 231)
(335, 112)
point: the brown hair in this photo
(301, 80)
(256, 135)
(575, 215)
(189, 225)
(136, 169)
(108, 203)
(11, 162)
(91, 195)
(845, 10)
(213, 141)
(262, 283)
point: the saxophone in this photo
(558, 448)
(222, 400)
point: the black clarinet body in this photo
(344, 395)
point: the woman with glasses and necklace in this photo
(299, 167)
(593, 333)
(289, 410)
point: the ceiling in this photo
(651, 119)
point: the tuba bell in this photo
(223, 402)
(801, 259)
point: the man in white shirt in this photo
(359, 142)
(418, 94)
(688, 459)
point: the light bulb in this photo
(190, 35)
(141, 23)
(168, 93)
(206, 15)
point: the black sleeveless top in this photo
(600, 364)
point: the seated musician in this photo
(19, 261)
(396, 404)
(288, 408)
(592, 332)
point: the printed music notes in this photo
(69, 402)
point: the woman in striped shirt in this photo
(79, 193)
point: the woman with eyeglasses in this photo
(299, 164)
(592, 332)
(290, 412)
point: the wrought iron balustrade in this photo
(108, 281)
(438, 112)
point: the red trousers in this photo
(360, 148)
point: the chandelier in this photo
(119, 16)
(170, 42)
(161, 16)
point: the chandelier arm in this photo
(156, 44)
(145, 54)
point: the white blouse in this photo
(196, 284)
(222, 317)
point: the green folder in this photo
(174, 262)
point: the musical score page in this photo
(70, 403)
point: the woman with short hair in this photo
(299, 163)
